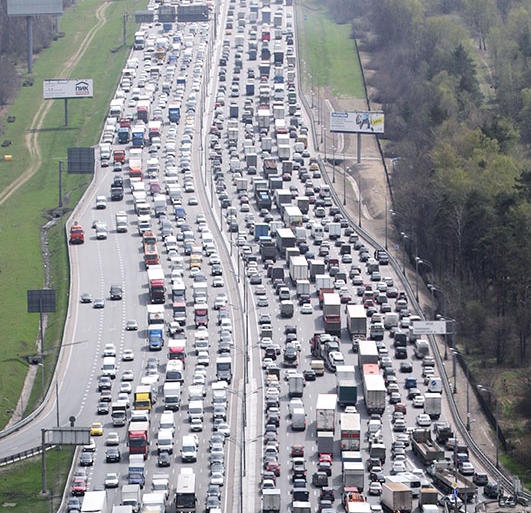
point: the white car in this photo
(226, 324)
(266, 342)
(126, 387)
(109, 350)
(217, 478)
(218, 281)
(418, 401)
(203, 358)
(198, 379)
(272, 393)
(307, 308)
(220, 302)
(223, 428)
(196, 425)
(128, 375)
(423, 420)
(124, 396)
(128, 355)
(266, 362)
(214, 259)
(336, 358)
(112, 480)
(375, 488)
(113, 438)
(131, 325)
(398, 467)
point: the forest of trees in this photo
(454, 81)
(13, 47)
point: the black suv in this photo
(492, 490)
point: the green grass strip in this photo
(21, 482)
(23, 214)
(328, 53)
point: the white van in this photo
(165, 441)
(298, 419)
(196, 410)
(295, 404)
(435, 385)
(189, 448)
(109, 366)
(391, 320)
(422, 348)
(167, 421)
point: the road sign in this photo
(429, 327)
(454, 486)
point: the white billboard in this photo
(429, 327)
(67, 88)
(34, 7)
(368, 122)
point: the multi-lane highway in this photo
(236, 87)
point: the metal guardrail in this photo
(20, 456)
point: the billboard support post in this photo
(29, 30)
(66, 111)
(60, 183)
(358, 159)
(28, 9)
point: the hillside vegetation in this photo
(454, 81)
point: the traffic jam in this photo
(252, 270)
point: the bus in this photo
(151, 255)
(185, 497)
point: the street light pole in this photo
(497, 432)
(417, 261)
(454, 360)
(404, 237)
(359, 200)
(492, 392)
(385, 196)
(467, 400)
(334, 163)
(345, 183)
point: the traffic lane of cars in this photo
(144, 312)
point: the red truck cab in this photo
(77, 234)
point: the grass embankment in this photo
(27, 209)
(21, 483)
(328, 54)
(23, 214)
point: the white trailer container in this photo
(298, 268)
(325, 412)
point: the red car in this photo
(79, 487)
(368, 302)
(297, 450)
(346, 298)
(274, 466)
(401, 407)
(325, 457)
